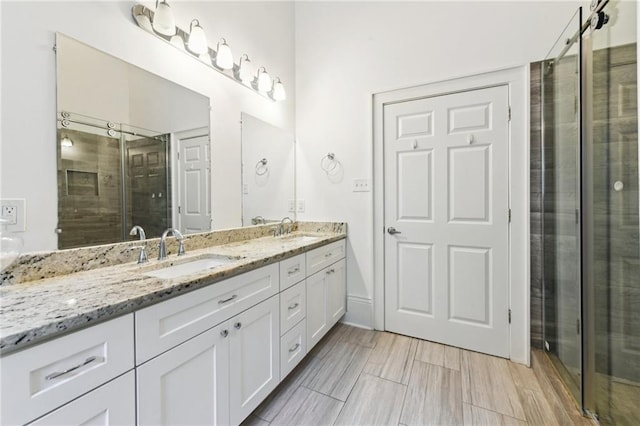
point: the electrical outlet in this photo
(12, 212)
(301, 206)
(292, 206)
(361, 185)
(9, 214)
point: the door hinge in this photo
(578, 326)
(178, 154)
(509, 215)
(509, 112)
(577, 216)
(509, 316)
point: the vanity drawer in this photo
(292, 271)
(293, 306)
(44, 377)
(165, 325)
(322, 257)
(293, 348)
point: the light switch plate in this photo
(292, 206)
(361, 185)
(13, 211)
(301, 206)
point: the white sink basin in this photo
(191, 267)
(301, 238)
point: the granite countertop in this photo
(35, 311)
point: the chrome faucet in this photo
(281, 229)
(162, 251)
(137, 230)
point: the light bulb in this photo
(279, 94)
(163, 20)
(197, 39)
(177, 41)
(245, 71)
(66, 142)
(264, 81)
(224, 58)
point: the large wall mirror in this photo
(268, 172)
(133, 149)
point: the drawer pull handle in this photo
(328, 254)
(227, 300)
(295, 305)
(331, 271)
(74, 368)
(294, 271)
(238, 325)
(224, 333)
(295, 347)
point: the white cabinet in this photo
(218, 377)
(336, 291)
(44, 377)
(188, 384)
(112, 404)
(165, 325)
(326, 291)
(254, 340)
(317, 322)
(292, 271)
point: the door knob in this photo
(391, 230)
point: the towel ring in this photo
(261, 167)
(328, 162)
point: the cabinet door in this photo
(188, 384)
(110, 404)
(337, 291)
(254, 339)
(317, 322)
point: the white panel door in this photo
(254, 338)
(195, 178)
(446, 199)
(336, 291)
(189, 384)
(317, 308)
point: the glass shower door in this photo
(614, 273)
(561, 197)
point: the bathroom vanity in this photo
(203, 346)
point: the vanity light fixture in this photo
(224, 58)
(278, 94)
(197, 39)
(163, 21)
(263, 80)
(245, 70)
(66, 142)
(161, 24)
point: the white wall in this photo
(346, 51)
(264, 30)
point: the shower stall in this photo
(590, 211)
(111, 176)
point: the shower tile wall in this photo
(89, 181)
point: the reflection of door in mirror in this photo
(268, 172)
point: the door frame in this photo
(516, 79)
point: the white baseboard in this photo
(359, 312)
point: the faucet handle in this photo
(142, 257)
(181, 250)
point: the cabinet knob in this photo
(238, 325)
(224, 333)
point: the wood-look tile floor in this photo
(364, 377)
